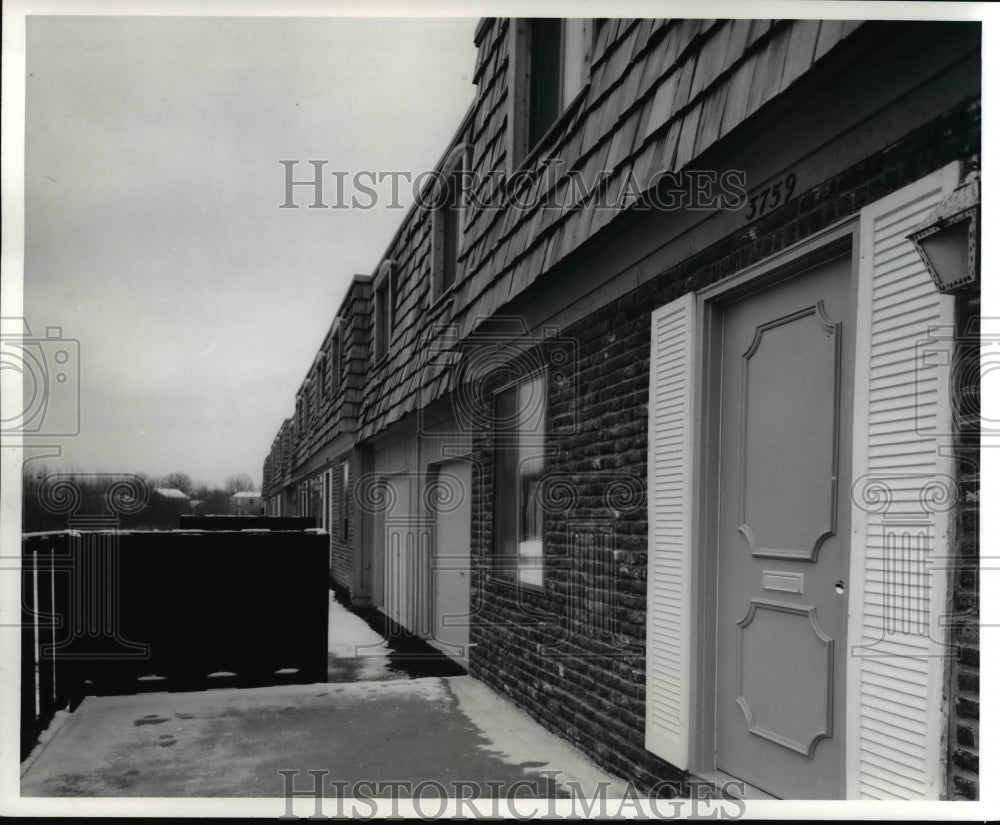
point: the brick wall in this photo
(573, 656)
(963, 728)
(551, 652)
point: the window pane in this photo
(345, 513)
(335, 363)
(545, 76)
(452, 228)
(324, 520)
(531, 417)
(530, 571)
(381, 320)
(531, 446)
(505, 491)
(529, 549)
(519, 465)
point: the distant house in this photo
(166, 504)
(177, 497)
(245, 504)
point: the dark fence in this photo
(247, 523)
(105, 612)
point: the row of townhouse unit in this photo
(654, 418)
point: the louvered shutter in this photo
(899, 520)
(670, 502)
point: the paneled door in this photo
(784, 480)
(397, 544)
(453, 537)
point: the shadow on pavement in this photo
(409, 655)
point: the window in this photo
(544, 76)
(518, 468)
(448, 224)
(343, 355)
(381, 320)
(550, 64)
(322, 390)
(345, 512)
(315, 494)
(385, 294)
(300, 423)
(306, 406)
(325, 512)
(335, 365)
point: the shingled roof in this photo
(660, 93)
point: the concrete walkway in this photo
(381, 727)
(233, 742)
(357, 653)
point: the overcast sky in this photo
(153, 233)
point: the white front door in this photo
(451, 574)
(397, 550)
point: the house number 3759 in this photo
(770, 197)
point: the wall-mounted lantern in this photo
(948, 240)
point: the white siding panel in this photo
(397, 457)
(895, 674)
(668, 618)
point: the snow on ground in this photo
(356, 652)
(515, 738)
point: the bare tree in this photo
(240, 483)
(178, 481)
